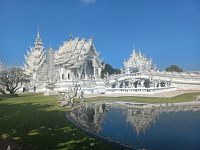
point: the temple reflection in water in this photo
(142, 119)
(92, 115)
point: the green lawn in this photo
(36, 122)
(181, 98)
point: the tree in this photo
(174, 68)
(2, 89)
(110, 70)
(11, 79)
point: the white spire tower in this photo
(35, 57)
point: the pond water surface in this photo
(172, 128)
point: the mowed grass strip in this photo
(37, 122)
(177, 99)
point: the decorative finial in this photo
(38, 34)
(134, 51)
(70, 36)
(92, 39)
(124, 60)
(38, 28)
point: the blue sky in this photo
(166, 30)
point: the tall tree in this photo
(110, 70)
(11, 79)
(174, 68)
(2, 88)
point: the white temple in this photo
(77, 63)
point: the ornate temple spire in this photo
(35, 57)
(38, 29)
(133, 47)
(92, 39)
(38, 34)
(134, 50)
(70, 36)
(38, 40)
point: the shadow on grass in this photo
(40, 126)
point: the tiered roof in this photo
(75, 52)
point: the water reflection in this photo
(116, 121)
(142, 119)
(91, 116)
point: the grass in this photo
(36, 122)
(177, 99)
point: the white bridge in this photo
(156, 82)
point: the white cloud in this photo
(88, 1)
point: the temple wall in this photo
(184, 86)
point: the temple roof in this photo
(75, 51)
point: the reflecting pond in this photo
(169, 128)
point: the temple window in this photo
(63, 76)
